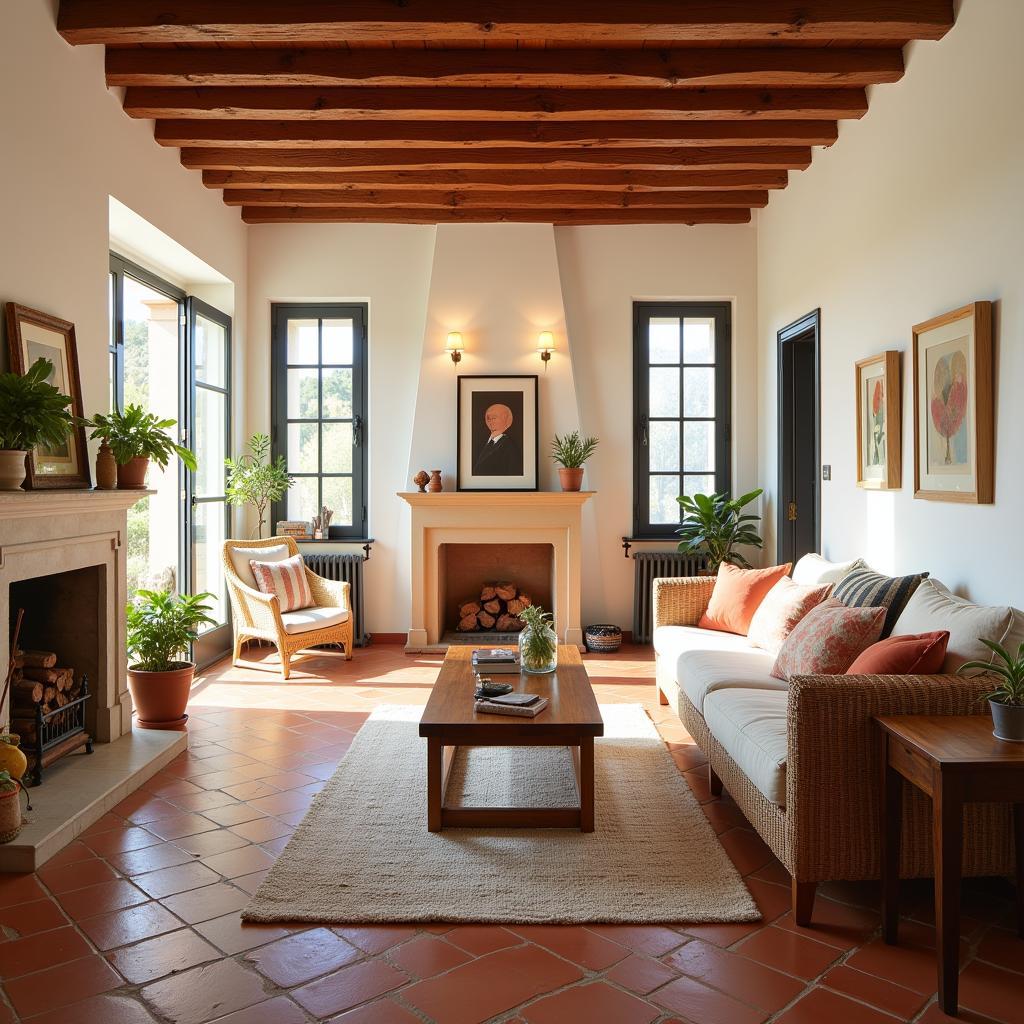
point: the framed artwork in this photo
(32, 335)
(879, 422)
(497, 433)
(954, 430)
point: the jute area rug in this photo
(363, 852)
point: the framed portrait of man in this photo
(497, 433)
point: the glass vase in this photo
(538, 650)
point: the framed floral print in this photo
(496, 425)
(879, 422)
(32, 335)
(954, 429)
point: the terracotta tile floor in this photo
(137, 921)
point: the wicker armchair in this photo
(257, 616)
(830, 828)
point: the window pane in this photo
(303, 341)
(664, 392)
(664, 446)
(210, 351)
(337, 447)
(337, 394)
(338, 498)
(663, 493)
(699, 447)
(698, 340)
(209, 532)
(664, 339)
(698, 485)
(699, 391)
(304, 498)
(211, 427)
(337, 341)
(303, 395)
(302, 448)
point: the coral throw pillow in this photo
(286, 579)
(920, 655)
(783, 607)
(827, 640)
(737, 595)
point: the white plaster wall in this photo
(916, 211)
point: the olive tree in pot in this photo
(161, 626)
(32, 413)
(714, 526)
(1006, 701)
(571, 452)
(254, 479)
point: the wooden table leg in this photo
(892, 826)
(435, 781)
(947, 836)
(1018, 833)
(587, 784)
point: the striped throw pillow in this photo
(286, 579)
(865, 588)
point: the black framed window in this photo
(318, 401)
(681, 408)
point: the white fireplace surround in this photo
(493, 517)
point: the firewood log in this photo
(41, 675)
(38, 659)
(515, 606)
(467, 624)
(506, 591)
(469, 608)
(49, 694)
(63, 680)
(509, 624)
(27, 692)
(493, 607)
(487, 592)
(61, 699)
(25, 728)
(18, 661)
(486, 620)
(525, 598)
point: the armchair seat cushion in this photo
(313, 618)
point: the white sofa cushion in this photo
(241, 557)
(751, 726)
(313, 618)
(812, 570)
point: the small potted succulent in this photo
(32, 413)
(538, 642)
(136, 438)
(571, 452)
(1007, 700)
(713, 526)
(161, 626)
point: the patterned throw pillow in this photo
(783, 607)
(827, 640)
(286, 579)
(864, 588)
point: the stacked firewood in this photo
(497, 610)
(38, 682)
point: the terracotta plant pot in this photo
(132, 475)
(571, 479)
(12, 469)
(10, 814)
(160, 698)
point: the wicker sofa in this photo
(802, 760)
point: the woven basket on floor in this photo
(603, 638)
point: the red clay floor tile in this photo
(641, 974)
(822, 1005)
(426, 956)
(580, 945)
(101, 899)
(302, 957)
(374, 938)
(232, 935)
(903, 1002)
(993, 992)
(118, 928)
(383, 1011)
(107, 1008)
(787, 951)
(167, 954)
(203, 904)
(348, 987)
(37, 952)
(29, 918)
(279, 1010)
(652, 940)
(479, 939)
(594, 1002)
(61, 985)
(204, 993)
(168, 881)
(704, 1005)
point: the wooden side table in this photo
(955, 759)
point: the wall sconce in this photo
(545, 346)
(454, 346)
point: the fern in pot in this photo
(538, 642)
(1006, 701)
(571, 452)
(161, 628)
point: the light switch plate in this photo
(826, 472)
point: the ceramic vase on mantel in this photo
(12, 469)
(435, 484)
(106, 468)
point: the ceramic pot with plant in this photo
(136, 438)
(1006, 701)
(571, 452)
(161, 626)
(10, 807)
(12, 758)
(254, 480)
(538, 642)
(714, 526)
(32, 413)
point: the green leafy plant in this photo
(1010, 689)
(572, 450)
(537, 643)
(135, 433)
(32, 412)
(714, 526)
(162, 625)
(254, 480)
(6, 782)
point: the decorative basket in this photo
(603, 639)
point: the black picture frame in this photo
(515, 466)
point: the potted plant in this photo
(10, 807)
(714, 526)
(254, 480)
(137, 437)
(160, 628)
(538, 642)
(32, 413)
(571, 452)
(1006, 701)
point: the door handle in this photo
(643, 431)
(357, 431)
(791, 514)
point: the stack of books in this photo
(495, 660)
(295, 528)
(522, 705)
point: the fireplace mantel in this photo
(23, 504)
(493, 517)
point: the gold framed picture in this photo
(879, 422)
(954, 428)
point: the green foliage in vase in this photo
(537, 643)
(254, 480)
(161, 626)
(1010, 669)
(32, 412)
(714, 526)
(136, 433)
(572, 451)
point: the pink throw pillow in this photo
(783, 607)
(827, 640)
(920, 655)
(286, 579)
(737, 595)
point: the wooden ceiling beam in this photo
(530, 179)
(204, 21)
(795, 67)
(653, 158)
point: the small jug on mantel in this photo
(106, 468)
(435, 484)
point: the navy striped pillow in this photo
(865, 588)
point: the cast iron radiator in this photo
(647, 567)
(348, 568)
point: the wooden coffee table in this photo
(571, 719)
